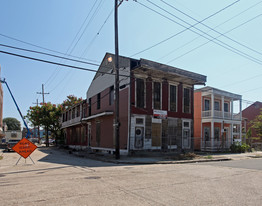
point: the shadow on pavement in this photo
(62, 156)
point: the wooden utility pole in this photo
(117, 143)
(46, 129)
(43, 93)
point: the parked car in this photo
(11, 143)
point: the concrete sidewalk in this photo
(167, 158)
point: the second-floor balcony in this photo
(220, 115)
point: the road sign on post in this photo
(24, 148)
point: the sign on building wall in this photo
(160, 114)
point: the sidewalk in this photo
(168, 159)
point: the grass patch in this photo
(209, 157)
(1, 157)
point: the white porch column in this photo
(212, 105)
(212, 135)
(222, 106)
(232, 108)
(231, 133)
(240, 115)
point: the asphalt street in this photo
(58, 178)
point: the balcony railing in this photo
(219, 114)
(71, 121)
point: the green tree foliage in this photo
(12, 123)
(257, 124)
(46, 116)
(70, 101)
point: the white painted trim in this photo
(98, 115)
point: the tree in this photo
(257, 124)
(46, 116)
(12, 123)
(70, 101)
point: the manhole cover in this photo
(92, 178)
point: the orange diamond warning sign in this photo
(24, 147)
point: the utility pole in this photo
(43, 93)
(117, 150)
(38, 127)
(46, 129)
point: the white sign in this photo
(160, 114)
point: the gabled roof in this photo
(252, 111)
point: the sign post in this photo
(24, 148)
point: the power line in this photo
(215, 38)
(175, 22)
(254, 5)
(212, 29)
(90, 20)
(222, 44)
(47, 54)
(40, 47)
(59, 64)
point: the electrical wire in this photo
(44, 48)
(59, 64)
(253, 18)
(245, 10)
(218, 42)
(212, 29)
(187, 28)
(47, 54)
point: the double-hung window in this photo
(173, 98)
(186, 100)
(157, 95)
(140, 93)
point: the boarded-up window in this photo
(173, 98)
(187, 99)
(156, 134)
(140, 93)
(157, 95)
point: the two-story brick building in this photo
(156, 106)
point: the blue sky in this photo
(85, 29)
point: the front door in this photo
(186, 139)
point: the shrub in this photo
(239, 148)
